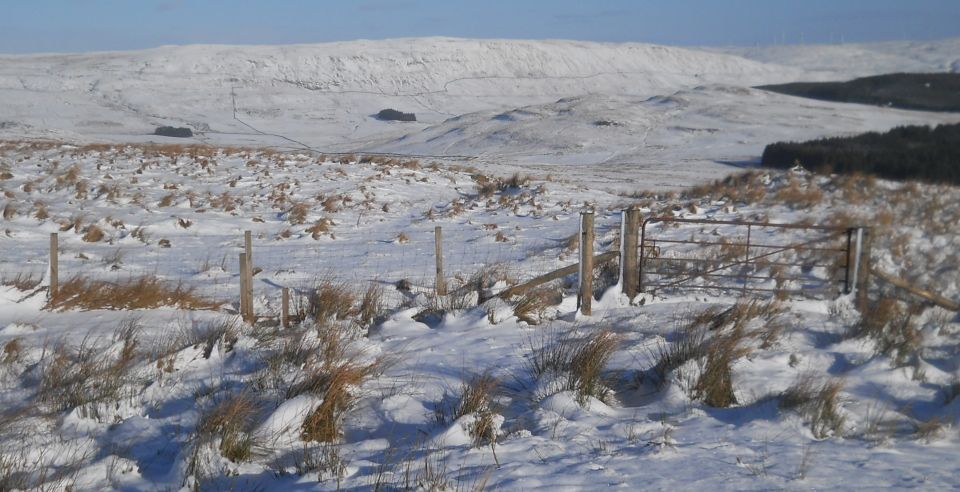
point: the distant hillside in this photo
(919, 91)
(907, 152)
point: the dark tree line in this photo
(906, 152)
(921, 91)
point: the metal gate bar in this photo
(652, 249)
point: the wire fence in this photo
(526, 248)
(208, 262)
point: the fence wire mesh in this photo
(208, 262)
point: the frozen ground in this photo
(679, 390)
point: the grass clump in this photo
(714, 339)
(715, 384)
(336, 384)
(331, 299)
(21, 281)
(570, 363)
(298, 213)
(146, 292)
(372, 305)
(93, 234)
(475, 398)
(532, 305)
(818, 402)
(893, 330)
(230, 424)
(88, 378)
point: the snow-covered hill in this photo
(858, 60)
(337, 86)
(489, 98)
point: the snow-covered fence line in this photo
(437, 257)
(208, 262)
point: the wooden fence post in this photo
(629, 273)
(585, 297)
(862, 268)
(285, 308)
(441, 283)
(54, 266)
(244, 292)
(248, 249)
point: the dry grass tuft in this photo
(231, 422)
(136, 293)
(320, 227)
(93, 234)
(331, 299)
(716, 338)
(298, 213)
(893, 330)
(41, 211)
(11, 351)
(476, 398)
(516, 181)
(167, 200)
(486, 186)
(798, 196)
(372, 304)
(687, 343)
(331, 204)
(531, 306)
(817, 401)
(930, 429)
(715, 384)
(22, 281)
(336, 385)
(577, 362)
(87, 378)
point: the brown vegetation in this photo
(135, 293)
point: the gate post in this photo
(847, 278)
(861, 268)
(629, 275)
(585, 297)
(440, 284)
(54, 273)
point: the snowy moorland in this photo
(140, 375)
(383, 385)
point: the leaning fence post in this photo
(285, 308)
(441, 284)
(54, 266)
(629, 274)
(585, 296)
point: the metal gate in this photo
(732, 256)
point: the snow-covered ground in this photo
(167, 398)
(684, 389)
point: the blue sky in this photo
(86, 25)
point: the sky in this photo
(28, 26)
